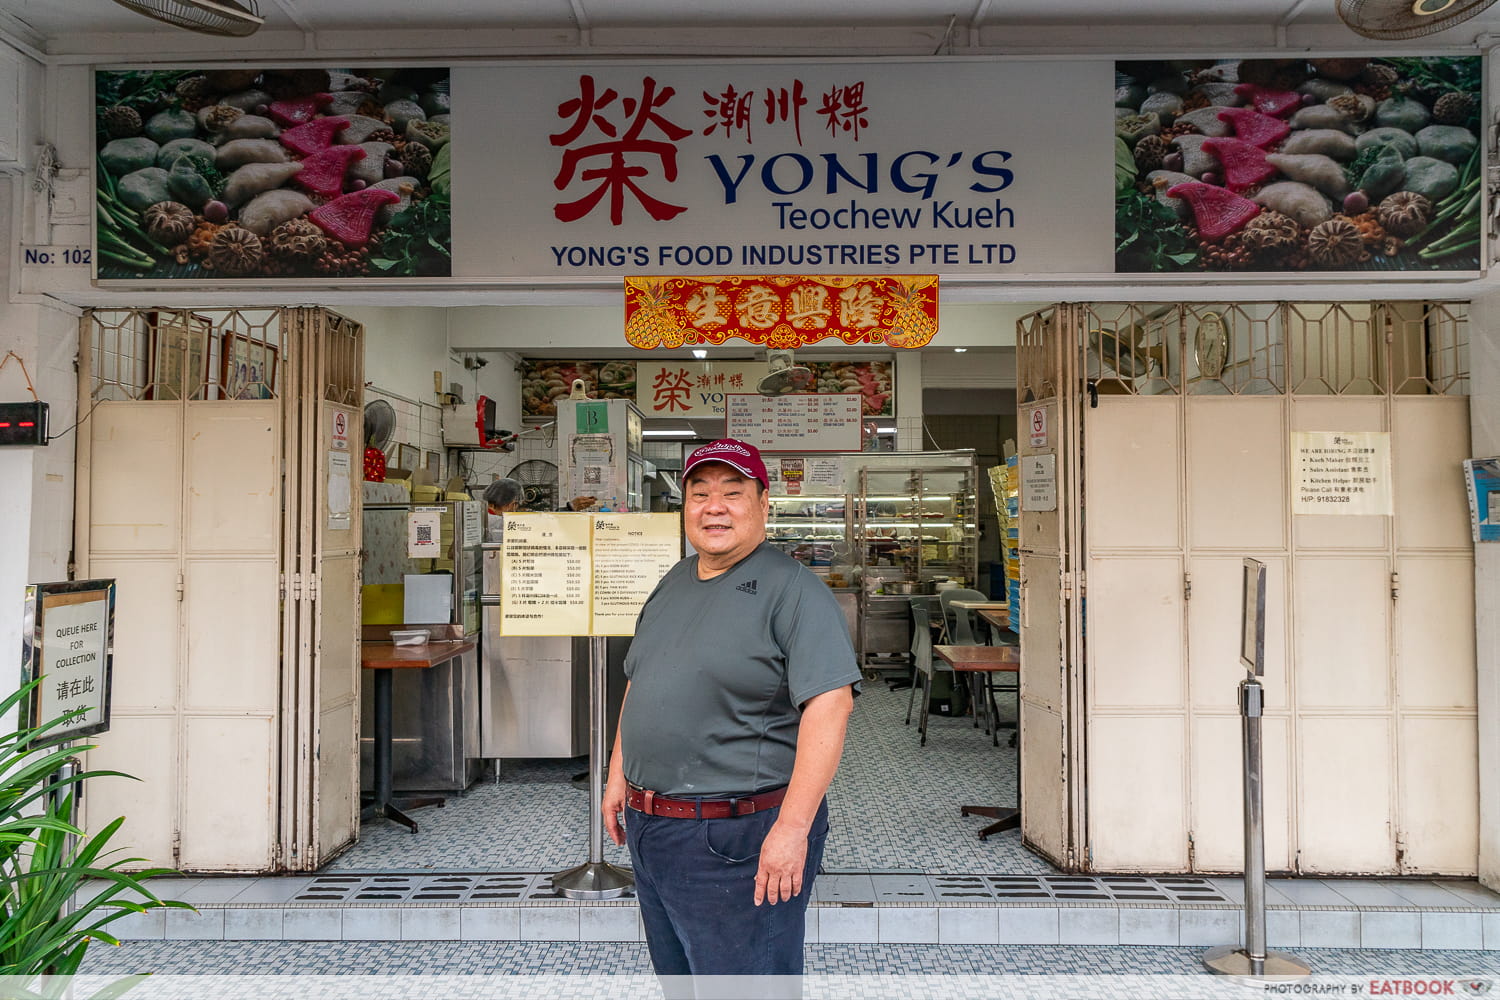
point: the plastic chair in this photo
(962, 632)
(925, 663)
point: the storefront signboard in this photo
(67, 646)
(990, 168)
(781, 311)
(582, 574)
(1341, 472)
(1038, 482)
(593, 169)
(831, 422)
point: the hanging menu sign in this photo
(810, 476)
(582, 574)
(631, 553)
(822, 422)
(1341, 472)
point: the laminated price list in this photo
(797, 422)
(582, 574)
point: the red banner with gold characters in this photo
(781, 311)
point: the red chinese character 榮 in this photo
(619, 151)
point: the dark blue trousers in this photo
(695, 880)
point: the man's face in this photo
(724, 513)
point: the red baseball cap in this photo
(745, 458)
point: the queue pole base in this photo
(593, 880)
(1229, 960)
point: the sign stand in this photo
(1253, 959)
(595, 878)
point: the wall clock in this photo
(1211, 345)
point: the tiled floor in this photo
(894, 806)
(583, 958)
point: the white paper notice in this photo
(473, 523)
(340, 492)
(74, 656)
(544, 565)
(631, 554)
(1341, 472)
(1038, 482)
(424, 533)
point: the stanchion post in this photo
(1254, 959)
(595, 878)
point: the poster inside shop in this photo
(678, 388)
(273, 172)
(68, 648)
(1341, 472)
(806, 475)
(582, 574)
(1482, 479)
(1299, 164)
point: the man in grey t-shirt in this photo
(741, 681)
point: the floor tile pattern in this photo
(893, 807)
(1078, 888)
(615, 958)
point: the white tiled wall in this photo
(417, 424)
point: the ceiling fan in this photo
(784, 375)
(1397, 19)
(235, 18)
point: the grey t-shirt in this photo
(719, 671)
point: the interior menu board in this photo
(582, 574)
(545, 575)
(821, 422)
(631, 553)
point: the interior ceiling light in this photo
(959, 350)
(700, 353)
(234, 18)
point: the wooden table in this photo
(998, 615)
(384, 657)
(987, 659)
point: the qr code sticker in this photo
(593, 475)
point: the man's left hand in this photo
(783, 855)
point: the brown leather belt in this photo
(649, 802)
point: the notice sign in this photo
(1038, 424)
(1341, 472)
(632, 552)
(1038, 482)
(68, 648)
(582, 574)
(824, 422)
(424, 533)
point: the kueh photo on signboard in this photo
(1296, 164)
(254, 173)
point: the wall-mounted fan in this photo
(1118, 354)
(234, 18)
(538, 479)
(1397, 19)
(785, 375)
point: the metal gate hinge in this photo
(1395, 586)
(1187, 587)
(1067, 586)
(181, 587)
